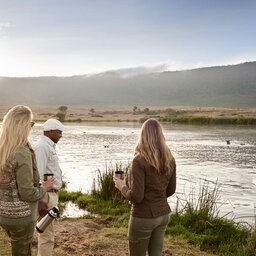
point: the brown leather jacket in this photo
(148, 190)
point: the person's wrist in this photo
(124, 186)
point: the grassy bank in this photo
(197, 222)
(213, 234)
(202, 120)
(173, 114)
(189, 120)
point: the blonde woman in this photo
(19, 180)
(153, 180)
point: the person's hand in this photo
(42, 208)
(120, 183)
(48, 184)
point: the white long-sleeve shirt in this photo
(47, 160)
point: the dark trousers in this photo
(21, 238)
(147, 234)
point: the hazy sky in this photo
(69, 37)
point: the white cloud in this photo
(145, 69)
(177, 66)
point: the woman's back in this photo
(149, 189)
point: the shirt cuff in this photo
(124, 190)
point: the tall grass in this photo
(202, 120)
(199, 222)
(105, 186)
(205, 202)
(104, 198)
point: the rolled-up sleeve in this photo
(135, 193)
(25, 180)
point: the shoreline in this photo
(169, 114)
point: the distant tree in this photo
(134, 109)
(61, 115)
(92, 110)
(63, 109)
(146, 110)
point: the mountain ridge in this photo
(219, 86)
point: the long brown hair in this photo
(14, 131)
(152, 146)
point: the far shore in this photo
(134, 113)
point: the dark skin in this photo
(55, 136)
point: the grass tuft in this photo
(105, 186)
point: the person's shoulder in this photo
(138, 158)
(22, 149)
(22, 153)
(41, 144)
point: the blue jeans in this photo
(147, 234)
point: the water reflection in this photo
(71, 210)
(201, 152)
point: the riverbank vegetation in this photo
(201, 120)
(172, 114)
(200, 116)
(196, 219)
(188, 120)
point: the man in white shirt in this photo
(47, 163)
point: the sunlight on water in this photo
(73, 211)
(201, 153)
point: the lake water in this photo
(201, 153)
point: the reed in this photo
(105, 186)
(199, 222)
(202, 120)
(104, 198)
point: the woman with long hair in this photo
(19, 180)
(152, 181)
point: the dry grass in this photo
(126, 112)
(78, 237)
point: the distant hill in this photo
(221, 86)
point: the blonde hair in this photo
(151, 145)
(14, 131)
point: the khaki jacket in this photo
(19, 188)
(148, 190)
